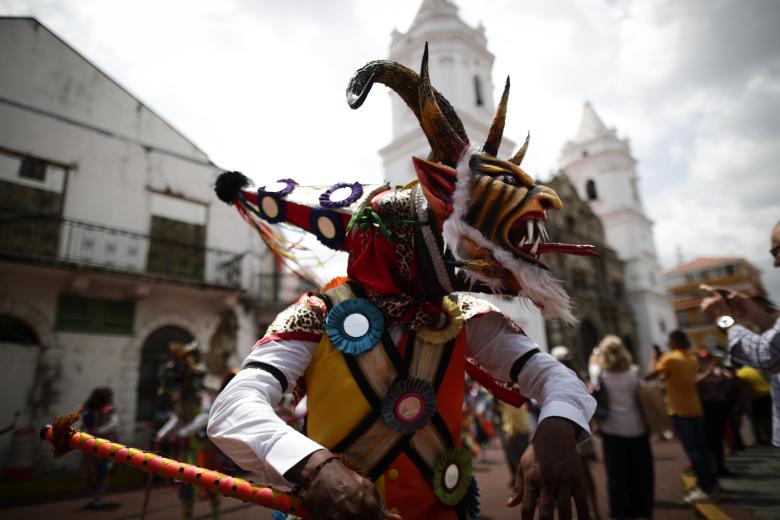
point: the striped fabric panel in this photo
(372, 446)
(429, 443)
(377, 369)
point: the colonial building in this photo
(596, 285)
(683, 283)
(461, 68)
(112, 244)
(602, 169)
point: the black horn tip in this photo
(507, 82)
(229, 184)
(358, 91)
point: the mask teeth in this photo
(535, 235)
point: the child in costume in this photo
(381, 354)
(98, 417)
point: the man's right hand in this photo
(337, 492)
(724, 301)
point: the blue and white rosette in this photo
(354, 326)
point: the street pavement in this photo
(493, 477)
(755, 494)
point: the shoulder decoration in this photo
(445, 324)
(452, 476)
(354, 326)
(409, 405)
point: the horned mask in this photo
(472, 222)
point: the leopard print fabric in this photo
(471, 307)
(398, 206)
(306, 315)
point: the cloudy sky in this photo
(259, 85)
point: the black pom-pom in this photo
(229, 184)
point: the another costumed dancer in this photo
(99, 417)
(185, 431)
(381, 354)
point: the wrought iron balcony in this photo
(277, 288)
(52, 239)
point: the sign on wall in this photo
(95, 315)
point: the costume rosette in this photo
(381, 354)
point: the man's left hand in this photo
(550, 473)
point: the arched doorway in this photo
(20, 349)
(154, 354)
(589, 338)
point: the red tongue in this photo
(569, 249)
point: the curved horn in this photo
(518, 158)
(493, 140)
(445, 142)
(405, 82)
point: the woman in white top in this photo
(627, 455)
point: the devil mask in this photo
(471, 222)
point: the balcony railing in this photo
(277, 288)
(52, 239)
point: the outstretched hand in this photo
(723, 301)
(337, 492)
(550, 473)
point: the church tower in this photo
(461, 69)
(601, 167)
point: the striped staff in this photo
(62, 438)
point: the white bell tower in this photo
(460, 66)
(601, 167)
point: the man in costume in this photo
(381, 354)
(183, 433)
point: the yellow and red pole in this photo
(204, 478)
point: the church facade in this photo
(600, 166)
(597, 286)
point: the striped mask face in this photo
(492, 217)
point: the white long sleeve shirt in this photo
(243, 424)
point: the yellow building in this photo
(683, 282)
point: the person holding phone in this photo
(732, 311)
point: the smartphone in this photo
(725, 295)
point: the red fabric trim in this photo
(299, 336)
(500, 392)
(299, 215)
